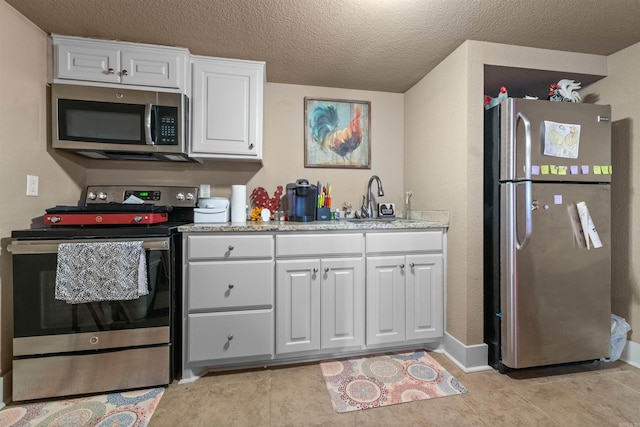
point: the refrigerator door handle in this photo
(527, 145)
(528, 202)
(520, 245)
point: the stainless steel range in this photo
(64, 348)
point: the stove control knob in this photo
(190, 196)
(102, 196)
(180, 196)
(91, 195)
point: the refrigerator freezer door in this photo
(592, 148)
(555, 292)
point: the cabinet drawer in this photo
(229, 284)
(428, 241)
(319, 244)
(231, 334)
(229, 247)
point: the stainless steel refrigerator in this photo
(547, 233)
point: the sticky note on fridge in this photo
(597, 170)
(553, 169)
(584, 169)
(605, 170)
(557, 199)
(535, 170)
(574, 169)
(610, 170)
(544, 169)
(562, 170)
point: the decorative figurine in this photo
(565, 91)
(490, 102)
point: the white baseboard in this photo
(631, 354)
(469, 358)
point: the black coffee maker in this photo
(302, 201)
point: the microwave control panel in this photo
(166, 125)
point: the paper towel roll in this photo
(238, 203)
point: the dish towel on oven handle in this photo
(102, 271)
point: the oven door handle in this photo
(26, 247)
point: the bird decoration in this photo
(260, 198)
(490, 102)
(565, 91)
(325, 132)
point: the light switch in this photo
(32, 185)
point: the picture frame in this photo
(337, 133)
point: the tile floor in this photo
(588, 394)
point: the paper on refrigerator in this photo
(588, 227)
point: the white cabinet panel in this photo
(228, 247)
(297, 306)
(224, 335)
(425, 308)
(385, 300)
(85, 62)
(404, 242)
(219, 285)
(319, 244)
(152, 68)
(227, 103)
(342, 304)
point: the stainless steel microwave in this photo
(110, 123)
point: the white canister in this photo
(238, 203)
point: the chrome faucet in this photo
(367, 208)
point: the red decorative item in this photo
(260, 198)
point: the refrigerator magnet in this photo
(574, 169)
(585, 169)
(557, 199)
(535, 170)
(597, 170)
(544, 169)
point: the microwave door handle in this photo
(148, 109)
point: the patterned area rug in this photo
(125, 409)
(382, 380)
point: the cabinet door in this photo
(425, 303)
(227, 109)
(297, 305)
(151, 68)
(385, 300)
(342, 305)
(84, 61)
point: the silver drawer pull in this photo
(401, 265)
(230, 337)
(412, 265)
(124, 72)
(230, 285)
(315, 270)
(110, 71)
(230, 247)
(326, 269)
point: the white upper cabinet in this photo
(79, 60)
(227, 103)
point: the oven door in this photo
(43, 324)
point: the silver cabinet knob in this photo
(110, 71)
(315, 270)
(229, 337)
(326, 269)
(230, 247)
(124, 73)
(412, 265)
(401, 265)
(94, 340)
(251, 146)
(230, 285)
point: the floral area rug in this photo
(125, 409)
(382, 380)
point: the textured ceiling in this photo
(383, 45)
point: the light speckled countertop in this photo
(419, 220)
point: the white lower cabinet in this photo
(320, 304)
(405, 293)
(266, 298)
(320, 301)
(228, 294)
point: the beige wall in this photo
(621, 89)
(283, 152)
(443, 161)
(23, 120)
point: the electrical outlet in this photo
(32, 185)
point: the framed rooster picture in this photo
(337, 133)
